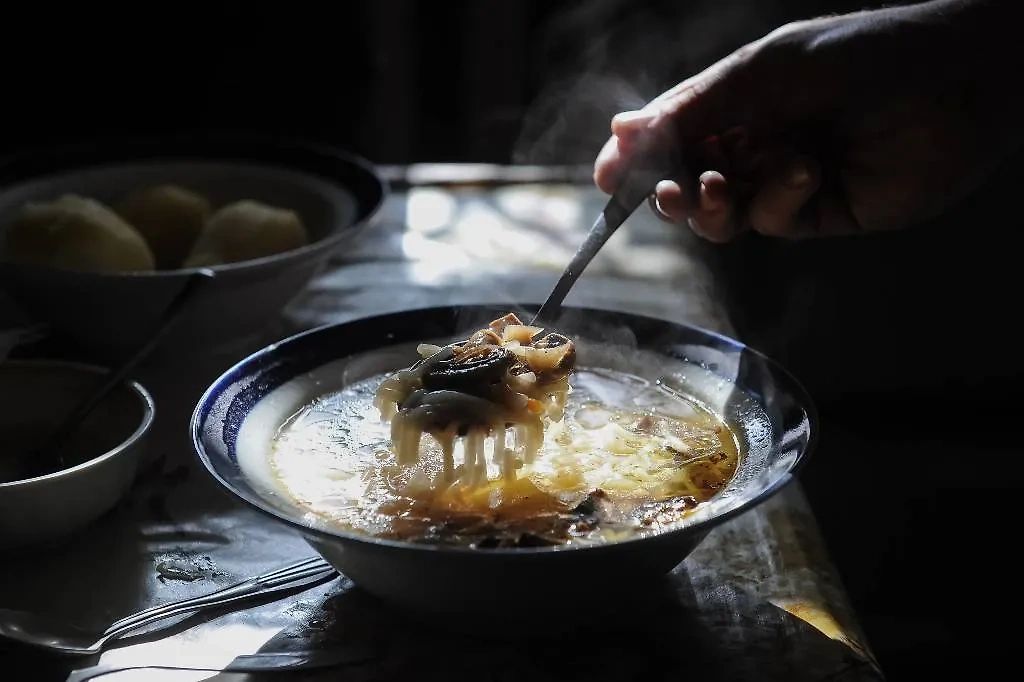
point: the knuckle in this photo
(789, 45)
(769, 222)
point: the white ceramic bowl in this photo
(107, 446)
(334, 193)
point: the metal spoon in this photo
(637, 186)
(41, 460)
(54, 635)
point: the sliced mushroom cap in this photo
(473, 371)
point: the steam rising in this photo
(601, 57)
(568, 123)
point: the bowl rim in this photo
(697, 528)
(332, 239)
(148, 417)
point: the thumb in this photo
(662, 134)
(750, 88)
(757, 88)
(666, 139)
(707, 103)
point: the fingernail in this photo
(708, 192)
(632, 118)
(712, 192)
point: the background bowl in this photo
(108, 446)
(334, 193)
(762, 401)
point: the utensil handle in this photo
(273, 578)
(264, 662)
(311, 574)
(655, 160)
(177, 307)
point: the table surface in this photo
(759, 598)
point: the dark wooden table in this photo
(758, 600)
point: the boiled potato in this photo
(170, 218)
(245, 230)
(75, 233)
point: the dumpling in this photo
(75, 233)
(170, 218)
(245, 230)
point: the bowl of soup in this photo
(44, 500)
(460, 460)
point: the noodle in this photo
(501, 383)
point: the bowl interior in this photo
(239, 414)
(38, 394)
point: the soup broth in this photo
(624, 458)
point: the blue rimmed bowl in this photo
(765, 405)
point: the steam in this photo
(568, 123)
(601, 57)
(605, 56)
(597, 58)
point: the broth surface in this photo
(628, 458)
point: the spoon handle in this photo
(178, 306)
(656, 161)
(269, 662)
(615, 213)
(309, 572)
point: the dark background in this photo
(903, 338)
(397, 81)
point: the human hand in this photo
(845, 124)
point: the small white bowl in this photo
(107, 448)
(334, 193)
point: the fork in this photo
(39, 631)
